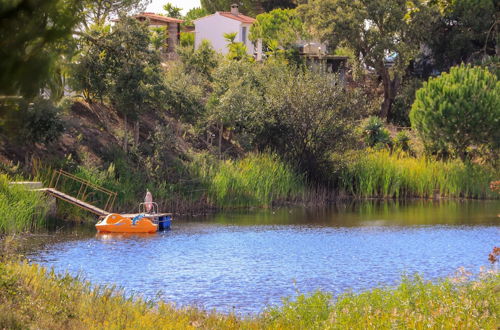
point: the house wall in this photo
(213, 27)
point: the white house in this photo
(213, 27)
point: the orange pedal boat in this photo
(117, 223)
(134, 223)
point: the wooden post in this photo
(79, 191)
(52, 178)
(55, 185)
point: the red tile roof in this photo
(157, 17)
(240, 17)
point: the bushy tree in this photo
(202, 60)
(99, 12)
(192, 14)
(236, 50)
(458, 111)
(172, 11)
(463, 31)
(120, 65)
(91, 69)
(305, 117)
(300, 115)
(373, 30)
(136, 83)
(281, 26)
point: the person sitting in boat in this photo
(148, 201)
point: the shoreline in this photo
(69, 302)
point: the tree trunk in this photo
(390, 91)
(125, 133)
(136, 133)
(221, 130)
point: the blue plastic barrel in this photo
(164, 222)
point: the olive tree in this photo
(458, 111)
(373, 30)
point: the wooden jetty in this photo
(60, 179)
(75, 201)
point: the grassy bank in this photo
(386, 175)
(34, 297)
(21, 210)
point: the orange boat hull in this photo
(116, 223)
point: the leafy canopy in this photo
(281, 26)
(99, 12)
(172, 11)
(373, 30)
(33, 34)
(194, 13)
(458, 110)
(463, 31)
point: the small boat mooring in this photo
(142, 222)
(147, 220)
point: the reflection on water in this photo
(247, 260)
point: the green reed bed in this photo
(386, 175)
(33, 297)
(20, 209)
(256, 180)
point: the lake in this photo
(244, 261)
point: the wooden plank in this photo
(72, 200)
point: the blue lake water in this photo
(245, 261)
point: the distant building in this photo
(213, 27)
(317, 58)
(173, 26)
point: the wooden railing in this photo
(56, 182)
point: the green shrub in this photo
(187, 39)
(374, 132)
(402, 142)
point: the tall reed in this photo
(20, 209)
(386, 175)
(256, 180)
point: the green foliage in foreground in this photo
(21, 210)
(382, 174)
(31, 297)
(256, 180)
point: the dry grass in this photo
(32, 297)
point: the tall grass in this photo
(382, 174)
(415, 304)
(32, 297)
(20, 209)
(256, 180)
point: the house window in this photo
(244, 34)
